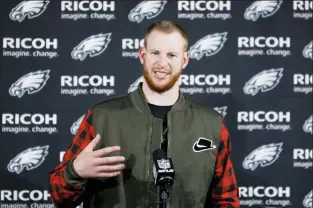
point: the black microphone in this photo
(163, 169)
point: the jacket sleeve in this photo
(65, 184)
(223, 191)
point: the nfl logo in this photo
(164, 164)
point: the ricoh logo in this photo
(205, 84)
(131, 46)
(85, 84)
(302, 9)
(302, 158)
(30, 47)
(264, 46)
(29, 123)
(29, 8)
(302, 83)
(78, 10)
(264, 120)
(204, 10)
(264, 196)
(24, 195)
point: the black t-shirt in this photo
(161, 113)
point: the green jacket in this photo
(127, 121)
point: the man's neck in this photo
(167, 98)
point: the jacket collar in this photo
(139, 101)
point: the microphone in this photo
(163, 169)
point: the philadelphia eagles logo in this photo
(31, 83)
(92, 46)
(307, 51)
(208, 45)
(262, 156)
(135, 85)
(307, 201)
(221, 110)
(30, 9)
(307, 126)
(146, 9)
(264, 81)
(262, 9)
(29, 159)
(76, 124)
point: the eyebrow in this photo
(159, 50)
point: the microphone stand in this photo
(164, 191)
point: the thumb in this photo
(92, 144)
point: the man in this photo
(109, 163)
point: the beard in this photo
(158, 86)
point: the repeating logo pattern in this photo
(208, 45)
(29, 159)
(263, 82)
(262, 156)
(146, 9)
(30, 83)
(30, 9)
(262, 9)
(92, 67)
(91, 46)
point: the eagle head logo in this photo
(262, 9)
(31, 83)
(29, 159)
(92, 46)
(262, 156)
(30, 9)
(208, 45)
(146, 9)
(264, 81)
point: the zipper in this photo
(148, 156)
(149, 148)
(169, 138)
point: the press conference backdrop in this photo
(249, 60)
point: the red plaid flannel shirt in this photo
(223, 192)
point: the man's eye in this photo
(155, 53)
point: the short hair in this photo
(167, 27)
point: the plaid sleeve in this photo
(224, 189)
(64, 193)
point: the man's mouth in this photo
(160, 74)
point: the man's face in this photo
(163, 60)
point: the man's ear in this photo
(142, 53)
(185, 59)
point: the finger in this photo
(109, 160)
(105, 151)
(92, 144)
(110, 168)
(109, 174)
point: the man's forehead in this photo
(172, 42)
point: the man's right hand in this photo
(90, 163)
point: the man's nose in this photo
(162, 60)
